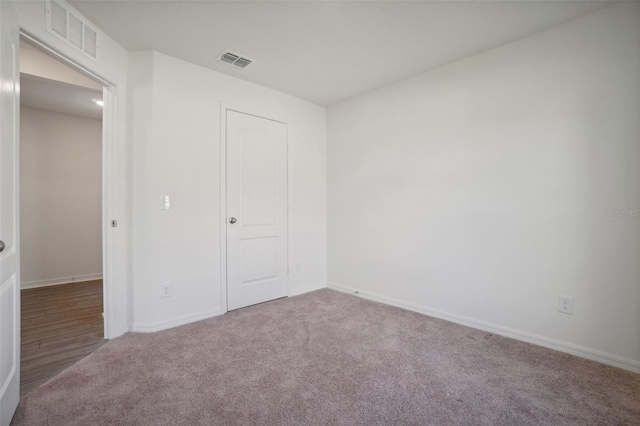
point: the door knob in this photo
(232, 220)
(2, 246)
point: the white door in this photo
(256, 210)
(9, 256)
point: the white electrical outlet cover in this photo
(165, 290)
(565, 304)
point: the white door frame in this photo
(108, 190)
(267, 115)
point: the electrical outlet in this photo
(298, 267)
(565, 305)
(165, 290)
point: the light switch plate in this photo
(165, 202)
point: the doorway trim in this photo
(267, 115)
(108, 190)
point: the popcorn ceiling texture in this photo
(330, 358)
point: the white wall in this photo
(175, 116)
(111, 66)
(478, 191)
(60, 197)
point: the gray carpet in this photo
(330, 358)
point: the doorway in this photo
(256, 219)
(61, 145)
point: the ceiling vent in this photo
(70, 26)
(235, 59)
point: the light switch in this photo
(165, 202)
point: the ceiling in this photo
(57, 96)
(326, 51)
(37, 62)
(49, 84)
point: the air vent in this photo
(75, 31)
(57, 19)
(64, 22)
(235, 59)
(90, 42)
(229, 57)
(242, 62)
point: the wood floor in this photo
(60, 325)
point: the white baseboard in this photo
(306, 289)
(175, 322)
(58, 281)
(570, 348)
(164, 325)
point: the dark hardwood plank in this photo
(60, 317)
(36, 305)
(38, 334)
(60, 325)
(32, 323)
(42, 357)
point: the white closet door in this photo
(256, 210)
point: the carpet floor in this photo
(330, 358)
